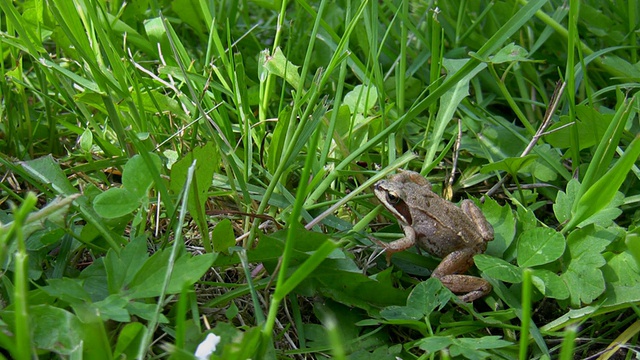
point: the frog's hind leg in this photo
(450, 270)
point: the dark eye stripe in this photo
(403, 209)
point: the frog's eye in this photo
(393, 198)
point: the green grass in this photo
(172, 169)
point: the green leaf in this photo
(278, 65)
(545, 168)
(485, 342)
(599, 166)
(207, 160)
(633, 243)
(608, 214)
(112, 308)
(136, 176)
(67, 290)
(157, 34)
(52, 328)
(622, 276)
(604, 190)
(49, 220)
(498, 268)
(510, 53)
(472, 348)
(223, 236)
(86, 140)
(564, 201)
(145, 311)
(115, 203)
(504, 226)
(550, 284)
(425, 297)
(48, 172)
(450, 100)
(129, 340)
(121, 268)
(433, 344)
(355, 289)
(269, 4)
(395, 312)
(305, 269)
(539, 246)
(511, 165)
(583, 271)
(428, 296)
(186, 271)
(361, 99)
(190, 12)
(591, 124)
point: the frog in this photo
(453, 233)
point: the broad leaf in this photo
(186, 271)
(223, 237)
(115, 203)
(52, 328)
(550, 284)
(121, 268)
(539, 246)
(583, 274)
(451, 99)
(498, 268)
(277, 64)
(510, 53)
(136, 175)
(564, 201)
(361, 99)
(428, 296)
(504, 226)
(622, 275)
(511, 165)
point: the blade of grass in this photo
(21, 281)
(574, 7)
(285, 283)
(607, 148)
(614, 72)
(244, 260)
(178, 242)
(598, 196)
(502, 35)
(301, 127)
(568, 343)
(526, 313)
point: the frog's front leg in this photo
(395, 246)
(449, 273)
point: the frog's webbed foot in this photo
(468, 288)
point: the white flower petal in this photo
(207, 347)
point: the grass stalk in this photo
(526, 313)
(21, 282)
(574, 8)
(568, 343)
(177, 243)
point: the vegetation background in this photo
(172, 169)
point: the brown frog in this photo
(436, 225)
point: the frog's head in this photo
(393, 196)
